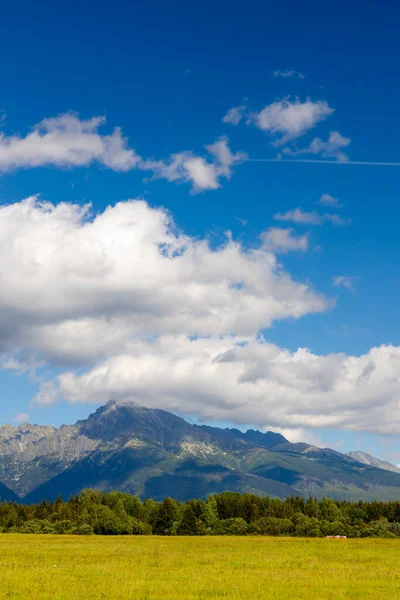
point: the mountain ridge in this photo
(155, 453)
(372, 461)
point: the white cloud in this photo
(284, 240)
(222, 153)
(299, 216)
(203, 175)
(234, 115)
(289, 73)
(290, 119)
(77, 287)
(21, 418)
(256, 383)
(344, 281)
(296, 434)
(157, 316)
(331, 201)
(67, 141)
(184, 167)
(332, 148)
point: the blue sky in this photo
(167, 75)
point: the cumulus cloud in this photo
(67, 141)
(280, 240)
(255, 383)
(201, 173)
(77, 287)
(331, 201)
(290, 120)
(234, 115)
(344, 281)
(299, 216)
(288, 73)
(151, 314)
(332, 148)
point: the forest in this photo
(229, 513)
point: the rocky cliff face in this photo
(32, 454)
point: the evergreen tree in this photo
(166, 516)
(188, 523)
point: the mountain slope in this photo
(7, 495)
(367, 459)
(155, 454)
(32, 454)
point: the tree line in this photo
(229, 513)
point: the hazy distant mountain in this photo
(155, 453)
(367, 459)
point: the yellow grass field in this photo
(156, 568)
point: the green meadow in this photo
(187, 568)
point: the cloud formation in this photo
(234, 115)
(328, 200)
(256, 383)
(290, 120)
(332, 148)
(67, 141)
(186, 167)
(78, 287)
(281, 241)
(297, 215)
(151, 314)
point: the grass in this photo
(156, 568)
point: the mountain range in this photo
(156, 454)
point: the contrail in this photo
(325, 162)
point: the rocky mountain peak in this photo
(367, 459)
